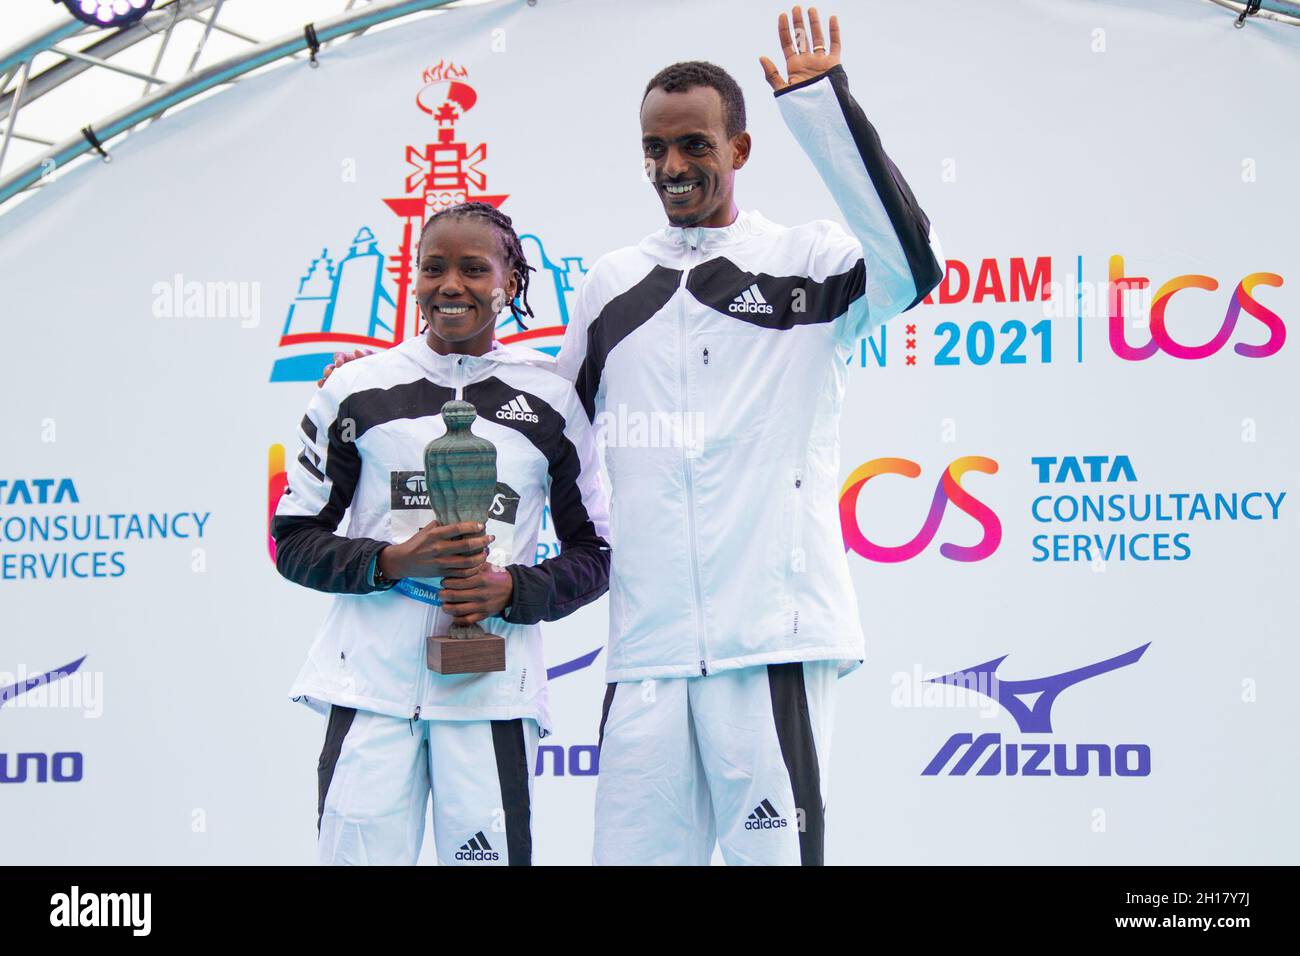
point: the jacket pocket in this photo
(732, 370)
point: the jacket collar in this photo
(676, 239)
(417, 348)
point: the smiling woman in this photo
(471, 267)
(396, 730)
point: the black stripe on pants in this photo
(340, 721)
(512, 770)
(604, 714)
(795, 733)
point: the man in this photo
(732, 612)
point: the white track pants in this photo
(376, 775)
(738, 757)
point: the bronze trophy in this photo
(460, 472)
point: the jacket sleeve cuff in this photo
(514, 612)
(790, 88)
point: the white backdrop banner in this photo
(1072, 468)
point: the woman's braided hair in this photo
(515, 260)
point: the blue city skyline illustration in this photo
(358, 276)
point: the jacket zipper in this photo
(688, 471)
(423, 665)
(798, 561)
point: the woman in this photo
(397, 732)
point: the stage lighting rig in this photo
(107, 13)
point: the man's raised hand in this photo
(806, 54)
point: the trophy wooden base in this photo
(473, 655)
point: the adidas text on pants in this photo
(376, 775)
(738, 758)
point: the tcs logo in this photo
(277, 480)
(948, 489)
(1161, 340)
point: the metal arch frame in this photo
(1279, 11)
(155, 101)
(161, 19)
(1289, 8)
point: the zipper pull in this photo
(706, 356)
(704, 671)
(798, 479)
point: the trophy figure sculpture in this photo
(460, 472)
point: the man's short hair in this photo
(689, 74)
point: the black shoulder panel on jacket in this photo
(375, 406)
(621, 316)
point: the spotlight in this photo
(107, 13)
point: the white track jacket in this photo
(713, 363)
(363, 440)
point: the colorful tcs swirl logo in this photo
(1243, 299)
(276, 483)
(947, 490)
